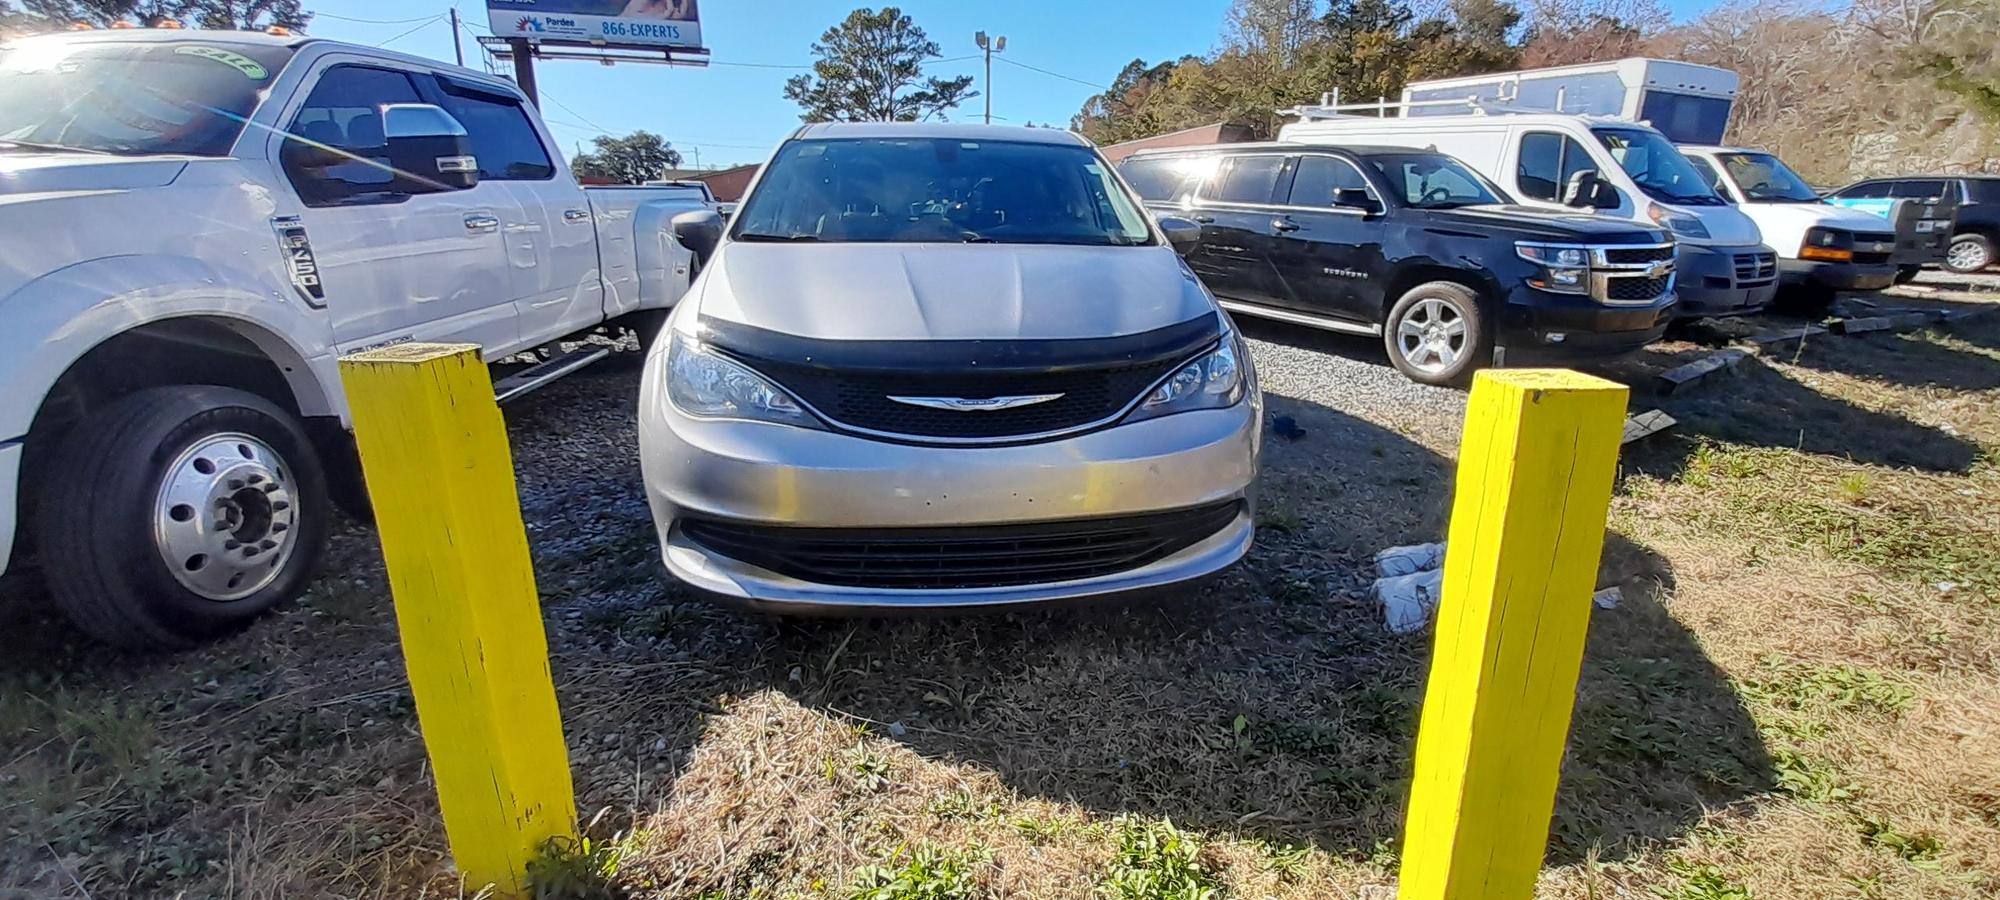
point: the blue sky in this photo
(734, 111)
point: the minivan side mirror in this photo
(700, 231)
(428, 149)
(1182, 233)
(1355, 198)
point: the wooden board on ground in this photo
(1677, 378)
(1646, 424)
(1899, 322)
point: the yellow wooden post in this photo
(1535, 471)
(439, 472)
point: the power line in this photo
(323, 15)
(565, 108)
(433, 21)
(1101, 87)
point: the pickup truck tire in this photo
(1969, 253)
(1437, 334)
(180, 514)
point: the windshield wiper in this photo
(53, 148)
(796, 236)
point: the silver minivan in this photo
(945, 365)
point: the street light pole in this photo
(988, 48)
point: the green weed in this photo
(929, 874)
(1157, 861)
(1810, 779)
(577, 868)
(1703, 882)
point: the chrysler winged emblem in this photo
(976, 404)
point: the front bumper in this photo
(1839, 276)
(1537, 325)
(777, 475)
(1714, 281)
(10, 479)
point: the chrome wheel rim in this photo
(225, 520)
(1967, 256)
(1432, 335)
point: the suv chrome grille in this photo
(965, 556)
(1627, 255)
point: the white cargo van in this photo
(1618, 167)
(1820, 246)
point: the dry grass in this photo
(1786, 704)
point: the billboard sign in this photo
(642, 23)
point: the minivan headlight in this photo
(1679, 223)
(702, 382)
(1214, 381)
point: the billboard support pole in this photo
(524, 69)
(457, 45)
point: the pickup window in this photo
(344, 112)
(503, 139)
(171, 97)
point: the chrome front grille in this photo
(1755, 268)
(1631, 274)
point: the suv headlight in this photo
(1678, 223)
(1214, 381)
(1565, 267)
(702, 382)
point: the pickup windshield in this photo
(929, 190)
(177, 98)
(1657, 167)
(1764, 178)
(1433, 181)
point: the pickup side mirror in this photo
(700, 231)
(1355, 198)
(1182, 234)
(428, 149)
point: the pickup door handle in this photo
(1204, 220)
(480, 223)
(574, 216)
(1282, 224)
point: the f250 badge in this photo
(299, 262)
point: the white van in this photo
(1820, 246)
(1618, 167)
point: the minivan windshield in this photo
(940, 190)
(181, 98)
(1656, 166)
(1433, 181)
(1764, 178)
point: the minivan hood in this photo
(1547, 225)
(865, 291)
(41, 173)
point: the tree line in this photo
(1841, 90)
(55, 15)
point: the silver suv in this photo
(945, 365)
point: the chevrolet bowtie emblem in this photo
(976, 404)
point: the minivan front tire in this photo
(1437, 334)
(181, 514)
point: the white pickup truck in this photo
(194, 227)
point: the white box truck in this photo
(1615, 166)
(1688, 103)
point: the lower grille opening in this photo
(963, 556)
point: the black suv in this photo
(1976, 233)
(1411, 245)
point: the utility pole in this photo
(457, 49)
(988, 48)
